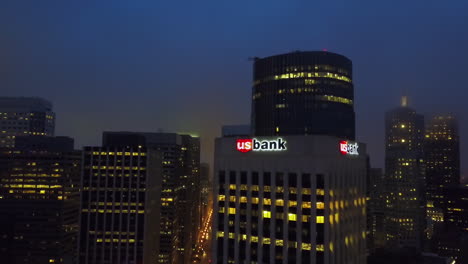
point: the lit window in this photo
(306, 246)
(320, 219)
(319, 247)
(279, 202)
(320, 205)
(266, 214)
(292, 217)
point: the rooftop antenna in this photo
(404, 101)
(404, 98)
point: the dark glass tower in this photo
(303, 93)
(442, 152)
(39, 201)
(404, 178)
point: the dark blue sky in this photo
(183, 65)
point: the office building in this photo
(442, 156)
(303, 204)
(451, 238)
(295, 190)
(303, 93)
(39, 201)
(24, 116)
(404, 178)
(137, 202)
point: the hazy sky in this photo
(183, 66)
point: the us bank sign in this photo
(253, 144)
(349, 148)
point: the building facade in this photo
(452, 239)
(142, 210)
(442, 156)
(303, 204)
(404, 178)
(24, 116)
(294, 191)
(303, 93)
(39, 201)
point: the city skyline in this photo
(89, 59)
(213, 132)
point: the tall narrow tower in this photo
(404, 177)
(442, 153)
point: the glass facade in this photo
(303, 93)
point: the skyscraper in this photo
(137, 201)
(303, 93)
(404, 177)
(442, 155)
(24, 116)
(295, 191)
(39, 201)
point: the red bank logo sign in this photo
(349, 148)
(246, 145)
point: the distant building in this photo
(375, 209)
(442, 155)
(139, 201)
(303, 93)
(451, 239)
(39, 202)
(404, 178)
(24, 116)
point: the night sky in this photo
(182, 66)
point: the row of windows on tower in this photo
(286, 76)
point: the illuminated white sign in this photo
(246, 145)
(349, 148)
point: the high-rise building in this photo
(39, 201)
(442, 155)
(452, 239)
(24, 116)
(295, 190)
(137, 200)
(404, 178)
(301, 204)
(303, 93)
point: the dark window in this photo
(243, 177)
(222, 177)
(292, 178)
(255, 178)
(232, 177)
(267, 178)
(306, 181)
(320, 181)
